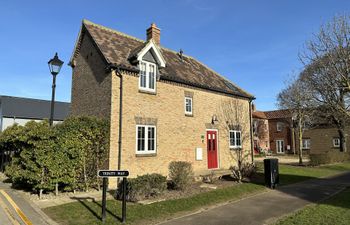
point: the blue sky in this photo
(254, 43)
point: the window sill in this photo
(235, 148)
(147, 91)
(146, 154)
(188, 115)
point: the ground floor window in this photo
(306, 143)
(145, 139)
(235, 139)
(336, 142)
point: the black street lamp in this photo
(55, 65)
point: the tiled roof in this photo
(259, 115)
(117, 48)
(28, 108)
(277, 114)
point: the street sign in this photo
(113, 173)
(105, 174)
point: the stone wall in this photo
(91, 85)
(178, 135)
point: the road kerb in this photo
(17, 209)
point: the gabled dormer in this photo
(149, 59)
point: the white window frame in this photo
(306, 141)
(279, 126)
(235, 138)
(146, 151)
(147, 88)
(334, 142)
(281, 144)
(189, 112)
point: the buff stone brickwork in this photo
(96, 92)
(178, 135)
(321, 139)
(91, 85)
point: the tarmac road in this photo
(15, 210)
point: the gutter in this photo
(133, 70)
(120, 118)
(117, 70)
(251, 129)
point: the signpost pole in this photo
(124, 201)
(104, 199)
(113, 173)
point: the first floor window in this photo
(279, 126)
(306, 143)
(147, 76)
(145, 139)
(235, 139)
(336, 142)
(188, 105)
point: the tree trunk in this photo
(97, 167)
(56, 188)
(85, 176)
(300, 142)
(293, 138)
(342, 138)
(40, 193)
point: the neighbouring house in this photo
(261, 135)
(162, 105)
(21, 110)
(322, 138)
(281, 132)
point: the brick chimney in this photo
(153, 33)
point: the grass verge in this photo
(335, 210)
(85, 212)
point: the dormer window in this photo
(147, 80)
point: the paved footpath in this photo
(267, 207)
(16, 210)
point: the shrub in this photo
(210, 178)
(181, 174)
(329, 157)
(66, 155)
(246, 171)
(144, 186)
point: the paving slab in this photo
(267, 207)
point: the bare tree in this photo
(327, 72)
(235, 116)
(296, 97)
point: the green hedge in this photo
(65, 156)
(329, 157)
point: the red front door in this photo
(212, 149)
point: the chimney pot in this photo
(153, 32)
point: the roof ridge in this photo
(36, 99)
(275, 110)
(85, 21)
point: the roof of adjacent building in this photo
(278, 114)
(259, 115)
(28, 108)
(118, 49)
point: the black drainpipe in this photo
(120, 118)
(251, 129)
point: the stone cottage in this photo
(162, 105)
